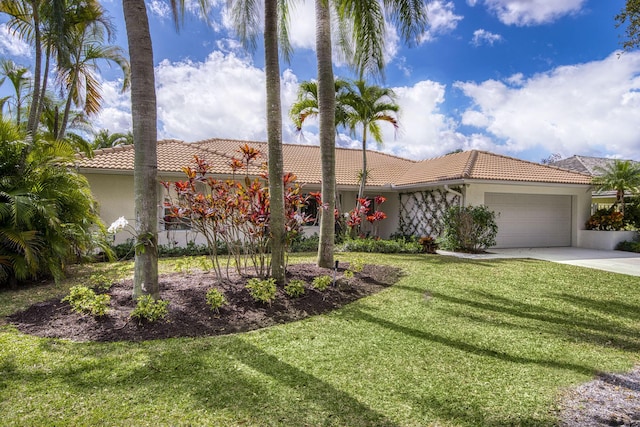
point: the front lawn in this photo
(454, 342)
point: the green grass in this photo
(455, 342)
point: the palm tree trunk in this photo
(144, 115)
(363, 179)
(326, 110)
(32, 123)
(274, 138)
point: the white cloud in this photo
(483, 36)
(12, 45)
(424, 130)
(590, 108)
(224, 96)
(159, 8)
(530, 12)
(116, 112)
(442, 19)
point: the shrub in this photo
(215, 299)
(149, 309)
(263, 291)
(469, 228)
(305, 244)
(381, 246)
(605, 219)
(322, 282)
(85, 301)
(100, 281)
(632, 213)
(295, 288)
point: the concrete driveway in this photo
(614, 261)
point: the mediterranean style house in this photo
(537, 205)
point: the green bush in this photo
(149, 309)
(263, 291)
(469, 228)
(215, 299)
(295, 288)
(126, 251)
(400, 246)
(322, 282)
(305, 244)
(629, 246)
(85, 301)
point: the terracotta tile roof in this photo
(487, 166)
(304, 161)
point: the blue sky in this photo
(525, 78)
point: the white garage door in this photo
(531, 220)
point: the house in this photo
(592, 166)
(537, 205)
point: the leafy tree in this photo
(619, 176)
(630, 15)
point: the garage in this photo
(531, 220)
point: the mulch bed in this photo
(189, 315)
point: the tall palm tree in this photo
(86, 45)
(619, 176)
(367, 23)
(25, 22)
(144, 117)
(246, 16)
(327, 132)
(370, 105)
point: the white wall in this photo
(580, 198)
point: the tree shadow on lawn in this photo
(229, 378)
(358, 314)
(560, 323)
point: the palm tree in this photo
(17, 76)
(306, 106)
(369, 105)
(246, 17)
(327, 132)
(144, 118)
(85, 47)
(105, 139)
(367, 21)
(619, 176)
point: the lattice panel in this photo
(421, 212)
